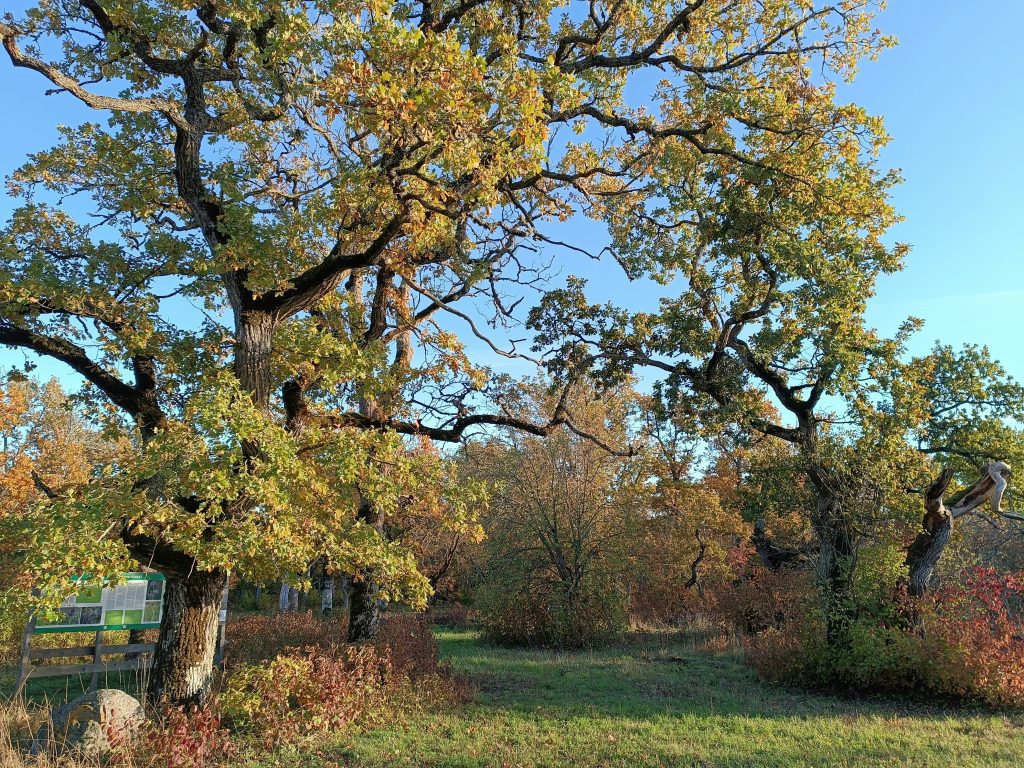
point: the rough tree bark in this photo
(183, 664)
(365, 603)
(832, 522)
(937, 526)
(365, 607)
(837, 551)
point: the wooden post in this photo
(26, 656)
(218, 656)
(97, 660)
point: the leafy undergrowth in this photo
(663, 700)
(289, 685)
(964, 641)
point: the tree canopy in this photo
(268, 253)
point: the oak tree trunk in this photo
(182, 672)
(254, 332)
(837, 550)
(365, 603)
(923, 555)
(365, 607)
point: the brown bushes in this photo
(292, 678)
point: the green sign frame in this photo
(137, 602)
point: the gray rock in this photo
(92, 725)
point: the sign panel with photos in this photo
(137, 603)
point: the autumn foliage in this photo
(307, 682)
(179, 738)
(975, 631)
(47, 448)
(964, 641)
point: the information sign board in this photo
(136, 603)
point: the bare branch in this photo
(9, 36)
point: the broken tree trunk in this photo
(937, 526)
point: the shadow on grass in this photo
(658, 674)
(55, 691)
(659, 700)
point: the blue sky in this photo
(952, 95)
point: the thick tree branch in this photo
(139, 401)
(316, 282)
(9, 36)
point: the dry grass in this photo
(18, 724)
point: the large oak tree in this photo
(243, 257)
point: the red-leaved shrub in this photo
(974, 637)
(965, 640)
(408, 644)
(290, 676)
(257, 637)
(192, 739)
(304, 691)
(406, 641)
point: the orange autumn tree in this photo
(693, 536)
(47, 448)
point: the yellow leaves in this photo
(14, 404)
(263, 516)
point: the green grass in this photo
(59, 690)
(659, 702)
(654, 701)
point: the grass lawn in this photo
(655, 701)
(660, 702)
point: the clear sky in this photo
(952, 95)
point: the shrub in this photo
(530, 615)
(301, 692)
(974, 636)
(764, 599)
(258, 637)
(963, 641)
(664, 603)
(193, 739)
(564, 519)
(284, 692)
(406, 641)
(454, 615)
